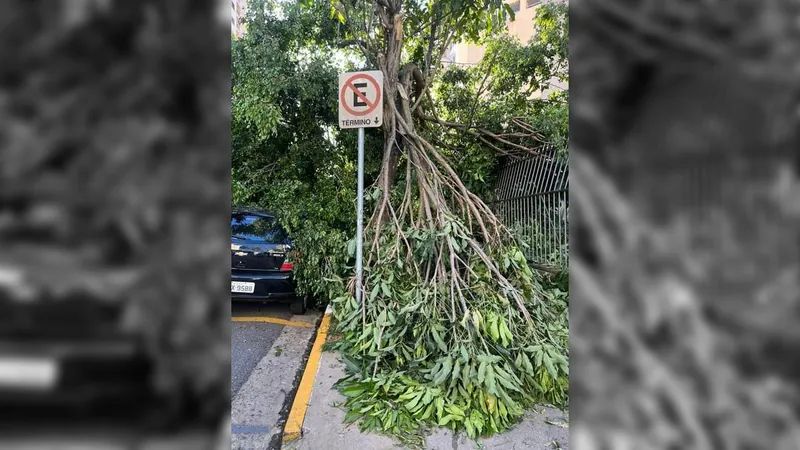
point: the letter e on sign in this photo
(361, 99)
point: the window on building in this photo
(514, 5)
(450, 55)
(532, 3)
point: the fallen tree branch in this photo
(482, 132)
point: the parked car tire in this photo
(298, 305)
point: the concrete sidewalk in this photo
(323, 427)
(257, 410)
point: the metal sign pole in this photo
(360, 217)
(360, 106)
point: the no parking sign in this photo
(361, 99)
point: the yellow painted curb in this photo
(294, 423)
(290, 323)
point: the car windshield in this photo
(257, 228)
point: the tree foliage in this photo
(287, 157)
(500, 87)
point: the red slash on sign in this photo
(359, 99)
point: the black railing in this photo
(531, 198)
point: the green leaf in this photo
(533, 348)
(374, 294)
(351, 416)
(476, 319)
(410, 308)
(505, 380)
(470, 428)
(353, 391)
(494, 330)
(455, 244)
(428, 397)
(445, 420)
(439, 402)
(478, 424)
(351, 366)
(456, 411)
(548, 364)
(456, 373)
(412, 405)
(447, 367)
(527, 363)
(389, 419)
(408, 395)
(386, 291)
(367, 408)
(428, 412)
(504, 333)
(491, 403)
(491, 385)
(559, 357)
(465, 374)
(501, 408)
(438, 339)
(490, 359)
(510, 11)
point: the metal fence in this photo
(531, 198)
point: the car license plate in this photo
(28, 373)
(243, 287)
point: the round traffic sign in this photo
(349, 85)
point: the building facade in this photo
(238, 9)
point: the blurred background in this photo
(686, 211)
(114, 198)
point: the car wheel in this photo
(298, 306)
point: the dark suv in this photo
(261, 269)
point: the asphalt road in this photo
(251, 341)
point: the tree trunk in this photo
(389, 64)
